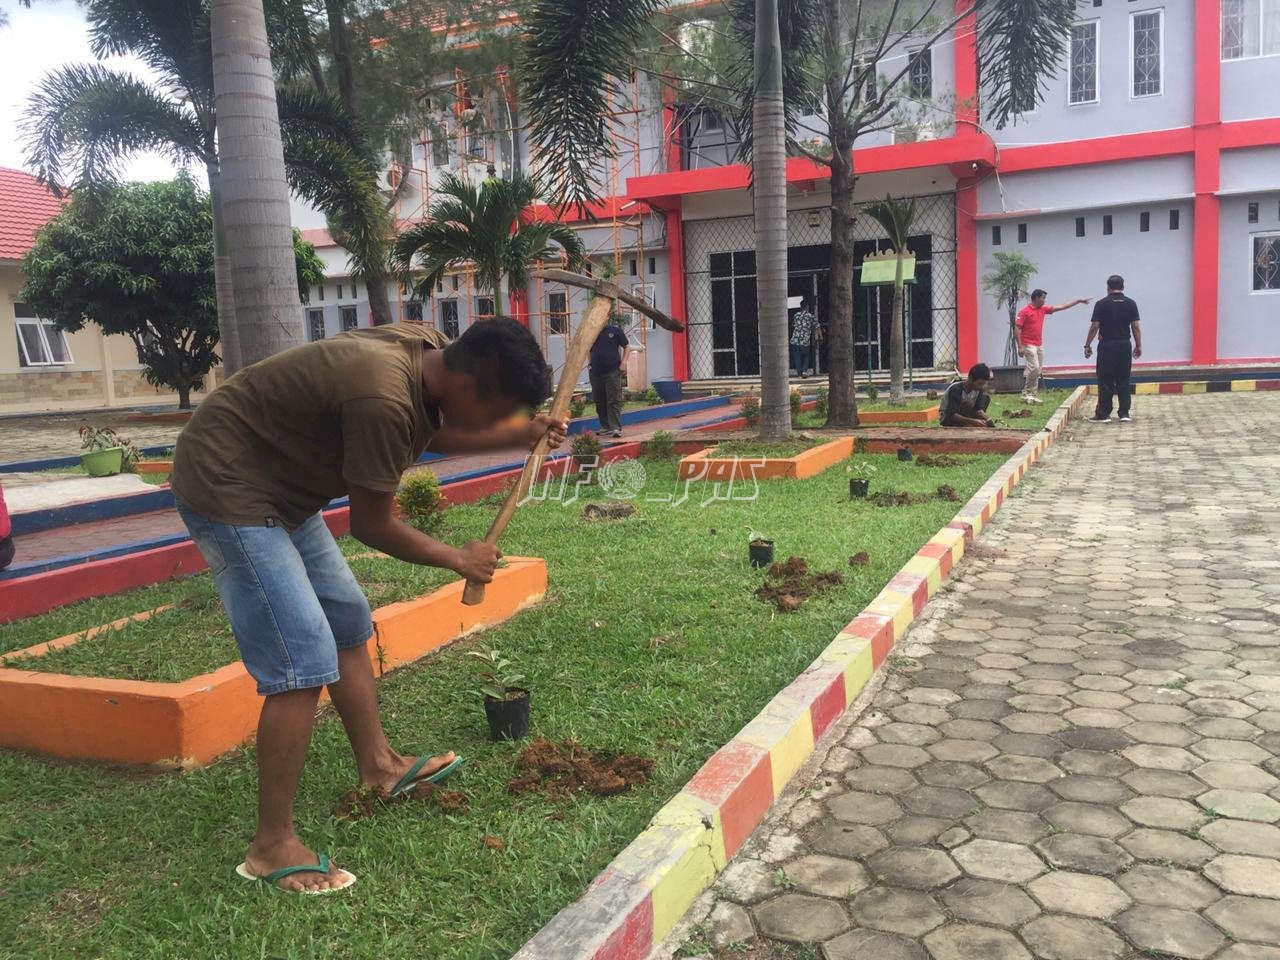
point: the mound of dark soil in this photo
(937, 460)
(561, 770)
(789, 584)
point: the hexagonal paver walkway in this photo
(1075, 753)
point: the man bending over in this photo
(965, 402)
(259, 460)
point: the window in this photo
(1083, 85)
(1144, 222)
(484, 308)
(995, 236)
(449, 318)
(413, 311)
(643, 291)
(1173, 219)
(920, 74)
(653, 264)
(40, 342)
(1079, 226)
(1253, 213)
(1022, 233)
(454, 278)
(1266, 261)
(355, 290)
(440, 147)
(631, 267)
(711, 119)
(315, 325)
(1106, 224)
(1146, 35)
(867, 81)
(320, 293)
(349, 319)
(1250, 28)
(339, 291)
(557, 314)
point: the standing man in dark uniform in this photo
(605, 369)
(1114, 317)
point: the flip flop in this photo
(409, 782)
(321, 867)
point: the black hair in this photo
(1115, 282)
(504, 358)
(806, 301)
(979, 371)
(1037, 292)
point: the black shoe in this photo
(1126, 419)
(1099, 420)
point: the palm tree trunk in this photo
(340, 43)
(255, 194)
(769, 176)
(379, 301)
(223, 290)
(897, 394)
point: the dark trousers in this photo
(1115, 360)
(800, 357)
(606, 391)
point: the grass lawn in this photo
(1000, 402)
(651, 641)
(778, 450)
(155, 479)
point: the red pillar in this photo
(518, 303)
(675, 279)
(966, 92)
(1208, 116)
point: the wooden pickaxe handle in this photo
(595, 320)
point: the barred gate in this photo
(720, 290)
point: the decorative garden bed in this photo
(727, 462)
(204, 716)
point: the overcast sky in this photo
(51, 33)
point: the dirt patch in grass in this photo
(938, 460)
(789, 584)
(561, 770)
(1022, 414)
(896, 498)
(608, 510)
(948, 492)
(364, 802)
(860, 559)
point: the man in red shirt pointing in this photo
(1029, 333)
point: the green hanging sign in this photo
(880, 268)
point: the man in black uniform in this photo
(1114, 317)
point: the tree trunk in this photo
(224, 291)
(769, 176)
(842, 404)
(340, 42)
(379, 302)
(255, 193)
(897, 394)
(184, 395)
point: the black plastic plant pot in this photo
(760, 552)
(858, 488)
(904, 453)
(508, 719)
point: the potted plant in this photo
(107, 452)
(859, 479)
(759, 550)
(506, 703)
(904, 454)
(1007, 281)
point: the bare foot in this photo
(389, 774)
(262, 860)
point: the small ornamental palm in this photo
(483, 226)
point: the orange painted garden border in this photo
(703, 466)
(138, 721)
(154, 466)
(926, 415)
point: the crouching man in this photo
(965, 402)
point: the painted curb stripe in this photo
(732, 792)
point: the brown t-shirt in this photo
(285, 436)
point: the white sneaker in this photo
(1033, 400)
(1126, 419)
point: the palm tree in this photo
(483, 226)
(895, 217)
(83, 121)
(255, 200)
(1007, 281)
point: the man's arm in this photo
(507, 437)
(1069, 304)
(373, 522)
(1137, 338)
(1088, 341)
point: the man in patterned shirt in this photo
(802, 328)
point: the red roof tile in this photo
(318, 237)
(26, 205)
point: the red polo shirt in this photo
(1031, 324)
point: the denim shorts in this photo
(292, 600)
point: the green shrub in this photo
(651, 397)
(797, 402)
(820, 408)
(577, 405)
(750, 411)
(586, 452)
(873, 392)
(661, 446)
(421, 501)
